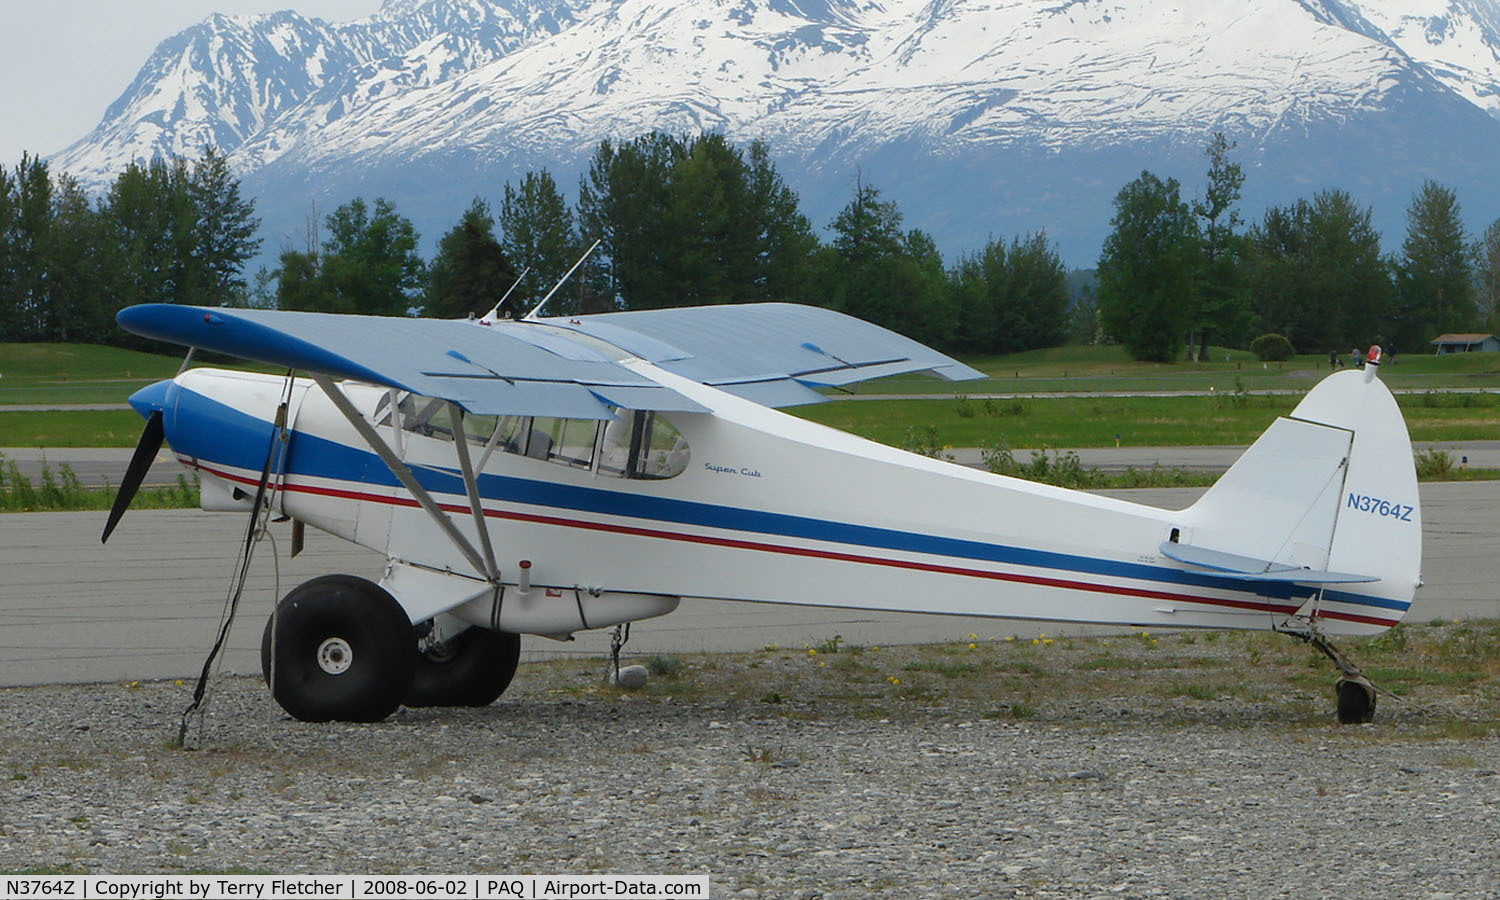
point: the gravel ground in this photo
(782, 777)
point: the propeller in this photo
(145, 452)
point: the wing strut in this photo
(404, 475)
(471, 486)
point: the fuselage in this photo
(741, 502)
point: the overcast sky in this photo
(62, 62)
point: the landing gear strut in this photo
(1355, 693)
(470, 669)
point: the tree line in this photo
(1175, 272)
(163, 232)
(679, 221)
(682, 220)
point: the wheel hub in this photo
(441, 653)
(335, 656)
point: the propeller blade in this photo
(140, 462)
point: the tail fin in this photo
(1327, 496)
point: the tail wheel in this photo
(472, 669)
(1356, 698)
(342, 649)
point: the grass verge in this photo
(61, 491)
(46, 373)
(70, 428)
(1110, 368)
(1229, 419)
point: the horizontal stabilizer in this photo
(1248, 568)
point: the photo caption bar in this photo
(354, 887)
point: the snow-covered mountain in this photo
(1455, 41)
(980, 117)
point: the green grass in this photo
(77, 373)
(1056, 422)
(27, 364)
(1109, 368)
(1138, 421)
(66, 373)
(74, 428)
(32, 374)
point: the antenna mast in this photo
(531, 316)
(494, 312)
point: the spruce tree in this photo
(470, 272)
(1038, 293)
(139, 215)
(620, 202)
(11, 258)
(784, 238)
(1010, 297)
(33, 227)
(1434, 291)
(692, 221)
(80, 303)
(710, 228)
(537, 233)
(1220, 308)
(1486, 255)
(876, 272)
(223, 231)
(1346, 280)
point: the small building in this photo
(1466, 343)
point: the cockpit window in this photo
(639, 444)
(427, 416)
(569, 442)
(642, 444)
(659, 451)
(509, 434)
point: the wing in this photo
(771, 353)
(487, 371)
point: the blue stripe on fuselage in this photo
(237, 439)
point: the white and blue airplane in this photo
(550, 475)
